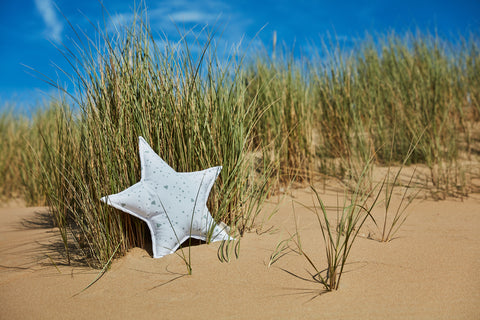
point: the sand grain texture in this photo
(431, 271)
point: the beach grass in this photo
(340, 234)
(267, 118)
(191, 110)
(12, 128)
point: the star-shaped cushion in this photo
(173, 204)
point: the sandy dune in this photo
(430, 271)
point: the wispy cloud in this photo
(192, 16)
(54, 27)
(167, 17)
(173, 22)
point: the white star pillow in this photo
(173, 204)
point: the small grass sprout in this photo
(338, 236)
(389, 229)
(282, 248)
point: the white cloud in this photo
(54, 26)
(192, 16)
(192, 22)
(190, 13)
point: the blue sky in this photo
(29, 29)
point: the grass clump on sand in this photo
(285, 129)
(328, 113)
(339, 232)
(12, 129)
(189, 108)
(414, 86)
(339, 235)
(23, 142)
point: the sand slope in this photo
(431, 271)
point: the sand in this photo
(431, 270)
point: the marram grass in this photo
(192, 112)
(267, 119)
